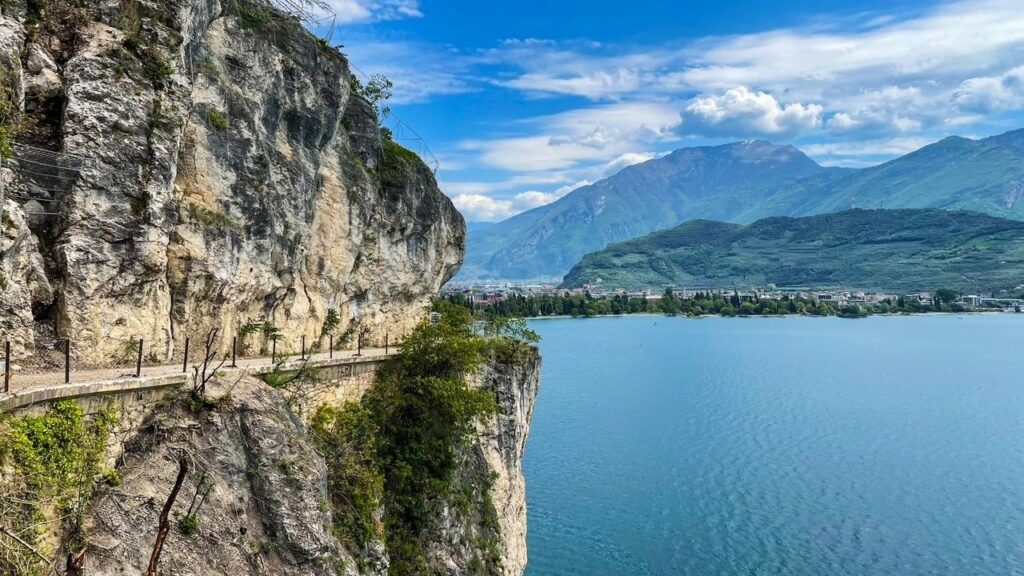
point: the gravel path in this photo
(29, 381)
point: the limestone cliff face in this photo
(268, 510)
(494, 461)
(225, 174)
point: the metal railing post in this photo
(7, 367)
(184, 363)
(330, 345)
(359, 343)
(138, 362)
(234, 351)
(387, 343)
(67, 361)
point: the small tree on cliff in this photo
(377, 91)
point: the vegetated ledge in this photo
(269, 489)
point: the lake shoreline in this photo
(754, 316)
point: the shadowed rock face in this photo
(233, 177)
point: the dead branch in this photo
(165, 514)
(203, 375)
(15, 537)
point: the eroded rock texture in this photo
(226, 174)
(268, 510)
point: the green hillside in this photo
(901, 250)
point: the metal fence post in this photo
(234, 351)
(387, 343)
(359, 343)
(138, 363)
(330, 345)
(184, 363)
(303, 348)
(7, 366)
(67, 361)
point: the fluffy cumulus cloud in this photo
(992, 93)
(740, 112)
(889, 110)
(484, 208)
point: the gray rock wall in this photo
(232, 177)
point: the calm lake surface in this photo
(797, 446)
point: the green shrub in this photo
(400, 447)
(57, 459)
(218, 120)
(331, 321)
(188, 525)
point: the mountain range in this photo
(741, 183)
(904, 250)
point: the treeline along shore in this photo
(728, 304)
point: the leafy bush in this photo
(54, 460)
(400, 446)
(218, 120)
(347, 436)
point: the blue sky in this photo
(521, 102)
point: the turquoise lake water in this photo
(796, 446)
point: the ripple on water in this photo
(797, 447)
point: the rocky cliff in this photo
(183, 165)
(268, 508)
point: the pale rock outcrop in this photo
(491, 475)
(23, 281)
(231, 177)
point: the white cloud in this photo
(992, 93)
(892, 109)
(418, 71)
(864, 152)
(358, 11)
(486, 201)
(533, 199)
(740, 112)
(588, 135)
(595, 84)
(947, 58)
(627, 159)
(484, 208)
(478, 207)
